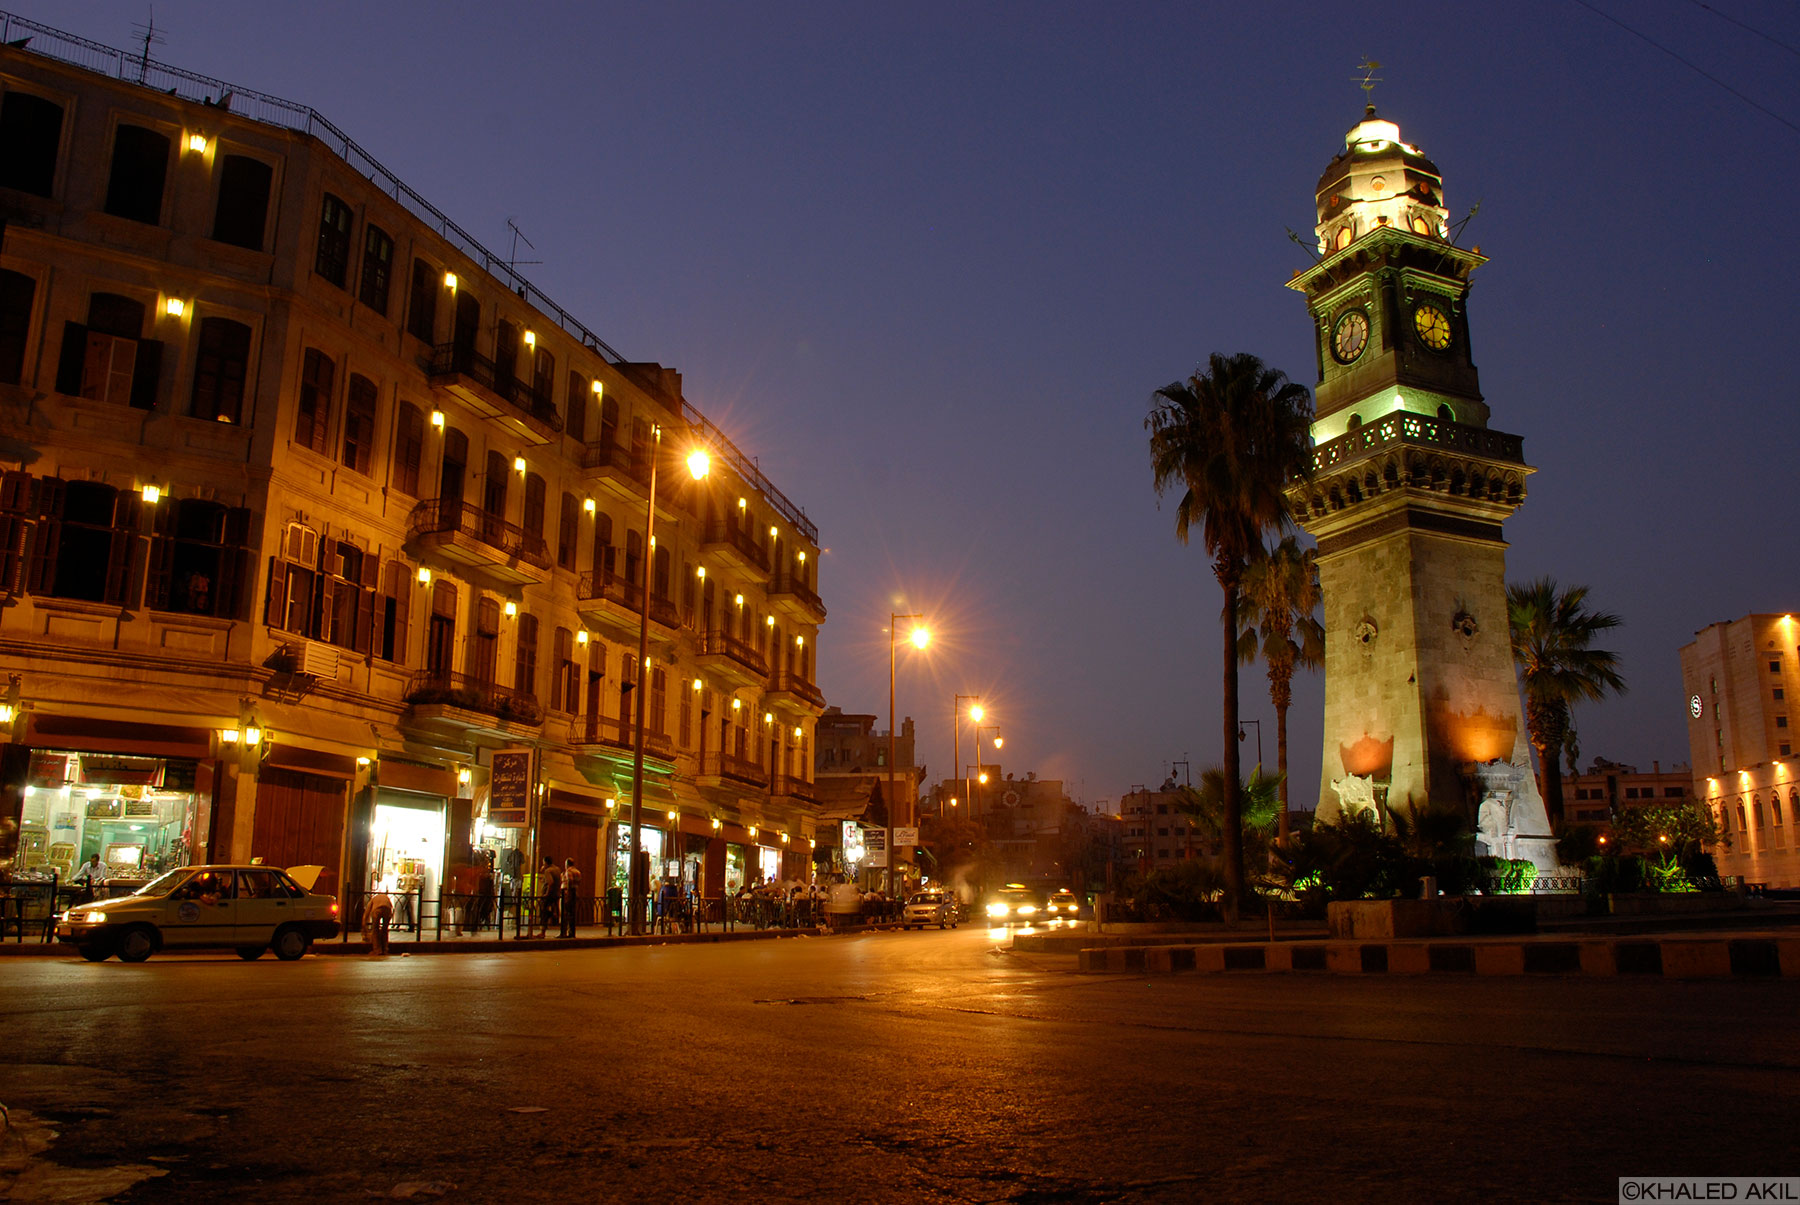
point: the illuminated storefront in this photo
(138, 813)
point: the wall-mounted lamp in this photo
(697, 684)
(740, 600)
(510, 609)
(465, 776)
(799, 641)
(174, 307)
(151, 492)
(784, 838)
(768, 717)
(518, 464)
(771, 620)
(773, 532)
(450, 281)
(587, 504)
(753, 831)
(736, 704)
(424, 576)
(743, 502)
(599, 389)
(700, 572)
(581, 637)
(530, 338)
(437, 419)
(802, 558)
(717, 824)
(796, 732)
(197, 142)
(363, 762)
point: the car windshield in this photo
(162, 884)
(928, 897)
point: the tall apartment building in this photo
(1741, 679)
(312, 505)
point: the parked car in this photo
(1064, 904)
(1014, 903)
(931, 908)
(249, 909)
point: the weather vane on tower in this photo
(1369, 67)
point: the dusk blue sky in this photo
(929, 262)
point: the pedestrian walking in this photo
(484, 895)
(571, 892)
(549, 894)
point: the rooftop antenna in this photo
(518, 236)
(1308, 247)
(151, 38)
(1368, 67)
(1456, 230)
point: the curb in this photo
(1743, 957)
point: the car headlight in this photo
(1027, 909)
(996, 909)
(84, 918)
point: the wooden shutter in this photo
(15, 516)
(146, 374)
(402, 596)
(122, 557)
(161, 562)
(74, 355)
(275, 609)
(47, 538)
(368, 600)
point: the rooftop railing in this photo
(1406, 427)
(274, 110)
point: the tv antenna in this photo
(1308, 247)
(518, 236)
(1369, 79)
(147, 32)
(1456, 230)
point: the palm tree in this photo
(1230, 437)
(1281, 596)
(1552, 638)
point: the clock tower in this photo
(1410, 487)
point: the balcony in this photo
(477, 382)
(794, 789)
(463, 703)
(785, 686)
(464, 533)
(732, 659)
(609, 601)
(625, 471)
(598, 734)
(737, 545)
(729, 770)
(793, 597)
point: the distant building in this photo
(850, 772)
(1598, 793)
(1155, 833)
(1740, 680)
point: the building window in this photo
(567, 530)
(243, 208)
(312, 415)
(564, 684)
(198, 558)
(140, 166)
(30, 135)
(1781, 721)
(293, 581)
(1779, 693)
(421, 304)
(575, 424)
(543, 379)
(86, 542)
(359, 422)
(107, 360)
(525, 654)
(220, 367)
(17, 292)
(658, 719)
(440, 647)
(333, 260)
(377, 269)
(349, 580)
(484, 645)
(1774, 666)
(409, 448)
(396, 596)
(532, 518)
(1631, 792)
(1674, 792)
(1775, 808)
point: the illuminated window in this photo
(1343, 237)
(333, 258)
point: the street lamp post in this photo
(698, 464)
(981, 774)
(1244, 736)
(919, 637)
(975, 713)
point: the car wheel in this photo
(290, 944)
(95, 951)
(250, 953)
(137, 944)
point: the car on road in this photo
(1064, 904)
(249, 909)
(1014, 903)
(931, 908)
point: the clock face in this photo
(1694, 707)
(1350, 336)
(1433, 326)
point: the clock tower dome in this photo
(1409, 489)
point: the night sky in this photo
(928, 262)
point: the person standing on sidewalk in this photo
(549, 893)
(571, 892)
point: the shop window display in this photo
(138, 813)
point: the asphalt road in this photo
(881, 1067)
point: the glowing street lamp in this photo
(975, 714)
(920, 637)
(697, 463)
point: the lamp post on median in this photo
(975, 714)
(920, 637)
(698, 463)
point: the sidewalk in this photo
(593, 937)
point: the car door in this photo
(202, 911)
(264, 904)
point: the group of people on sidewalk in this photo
(559, 897)
(558, 901)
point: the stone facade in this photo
(1409, 491)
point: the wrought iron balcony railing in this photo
(717, 643)
(458, 359)
(471, 693)
(738, 769)
(443, 516)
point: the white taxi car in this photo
(249, 909)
